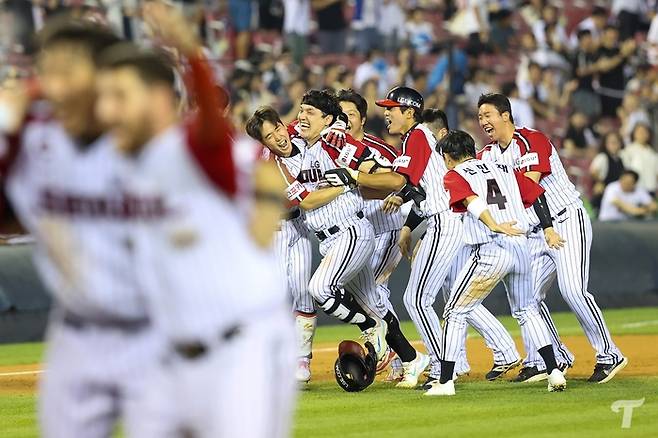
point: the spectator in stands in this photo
(293, 99)
(579, 140)
(523, 114)
(365, 20)
(375, 67)
(240, 13)
(405, 68)
(584, 68)
(549, 32)
(420, 32)
(625, 200)
(641, 157)
(482, 82)
(332, 75)
(296, 27)
(611, 61)
(532, 11)
(595, 24)
(332, 26)
(629, 14)
(652, 41)
(375, 123)
(502, 30)
(392, 25)
(439, 73)
(534, 91)
(607, 165)
(631, 113)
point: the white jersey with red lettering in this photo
(531, 150)
(193, 248)
(68, 197)
(384, 154)
(423, 166)
(506, 193)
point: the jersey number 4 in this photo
(494, 195)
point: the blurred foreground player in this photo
(292, 242)
(492, 199)
(204, 252)
(63, 186)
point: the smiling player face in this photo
(355, 129)
(491, 121)
(311, 122)
(276, 138)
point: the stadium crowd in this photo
(584, 72)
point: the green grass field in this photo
(492, 408)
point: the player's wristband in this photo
(477, 207)
(543, 213)
(413, 220)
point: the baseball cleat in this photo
(530, 375)
(384, 363)
(431, 381)
(498, 371)
(303, 372)
(556, 381)
(447, 388)
(413, 370)
(377, 337)
(605, 372)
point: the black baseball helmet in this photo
(402, 96)
(354, 368)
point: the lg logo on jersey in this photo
(627, 406)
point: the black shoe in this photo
(498, 370)
(428, 383)
(530, 374)
(605, 372)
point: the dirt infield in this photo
(643, 357)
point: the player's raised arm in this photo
(209, 133)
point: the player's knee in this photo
(319, 290)
(410, 301)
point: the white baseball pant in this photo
(571, 266)
(504, 259)
(295, 255)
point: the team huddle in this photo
(492, 216)
(158, 231)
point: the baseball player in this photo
(344, 284)
(387, 226)
(533, 153)
(417, 175)
(492, 198)
(202, 252)
(292, 241)
(61, 175)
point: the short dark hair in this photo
(634, 174)
(599, 10)
(323, 100)
(500, 101)
(457, 145)
(436, 116)
(582, 33)
(645, 126)
(255, 123)
(349, 95)
(92, 37)
(508, 88)
(152, 66)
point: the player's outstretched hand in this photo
(553, 239)
(335, 134)
(508, 229)
(404, 242)
(170, 26)
(392, 204)
(341, 177)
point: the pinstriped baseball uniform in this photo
(99, 336)
(494, 257)
(346, 252)
(387, 255)
(531, 150)
(424, 166)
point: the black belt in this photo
(128, 325)
(323, 235)
(538, 227)
(192, 350)
(294, 214)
